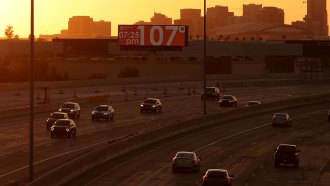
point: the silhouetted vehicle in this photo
(54, 117)
(217, 177)
(228, 100)
(211, 92)
(282, 120)
(286, 154)
(64, 127)
(151, 104)
(252, 103)
(186, 161)
(103, 112)
(71, 108)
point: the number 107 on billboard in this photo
(153, 35)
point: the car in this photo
(54, 116)
(217, 177)
(64, 127)
(286, 154)
(151, 104)
(184, 160)
(252, 103)
(71, 108)
(211, 92)
(228, 100)
(103, 112)
(282, 120)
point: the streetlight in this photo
(204, 59)
(31, 92)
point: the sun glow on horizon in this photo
(52, 16)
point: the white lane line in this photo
(215, 142)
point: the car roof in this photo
(58, 112)
(64, 120)
(69, 102)
(254, 102)
(102, 105)
(151, 99)
(185, 152)
(216, 170)
(211, 87)
(280, 114)
(286, 145)
(227, 95)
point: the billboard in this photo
(153, 35)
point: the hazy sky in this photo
(51, 16)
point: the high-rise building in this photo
(192, 18)
(317, 17)
(160, 19)
(250, 13)
(272, 15)
(217, 16)
(85, 27)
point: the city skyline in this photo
(50, 21)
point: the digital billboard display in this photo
(153, 35)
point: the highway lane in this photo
(243, 147)
(128, 121)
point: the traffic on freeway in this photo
(92, 135)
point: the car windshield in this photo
(209, 89)
(227, 97)
(151, 101)
(185, 155)
(62, 123)
(218, 174)
(286, 148)
(57, 116)
(68, 105)
(101, 108)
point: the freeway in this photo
(51, 153)
(244, 147)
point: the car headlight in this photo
(93, 112)
(141, 105)
(67, 129)
(71, 110)
(153, 106)
(52, 128)
(104, 113)
(48, 119)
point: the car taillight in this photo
(205, 177)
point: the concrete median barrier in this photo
(120, 147)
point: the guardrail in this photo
(133, 142)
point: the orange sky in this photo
(51, 16)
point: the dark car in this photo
(281, 120)
(151, 104)
(217, 177)
(252, 103)
(64, 127)
(54, 117)
(186, 161)
(71, 108)
(211, 92)
(103, 112)
(286, 154)
(228, 100)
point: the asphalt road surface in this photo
(50, 153)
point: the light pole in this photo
(204, 60)
(31, 92)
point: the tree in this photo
(9, 32)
